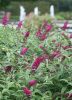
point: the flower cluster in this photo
(43, 31)
(48, 52)
(4, 20)
(26, 34)
(23, 51)
(19, 24)
(26, 90)
(65, 26)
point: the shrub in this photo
(46, 65)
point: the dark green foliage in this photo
(44, 5)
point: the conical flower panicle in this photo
(4, 20)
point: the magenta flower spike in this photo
(4, 20)
(65, 26)
(37, 62)
(23, 51)
(19, 24)
(26, 34)
(27, 91)
(32, 82)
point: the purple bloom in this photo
(19, 24)
(65, 26)
(38, 33)
(5, 20)
(32, 82)
(27, 91)
(23, 51)
(37, 62)
(26, 34)
(48, 27)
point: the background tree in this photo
(4, 3)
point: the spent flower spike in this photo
(55, 54)
(8, 68)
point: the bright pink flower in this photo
(27, 91)
(5, 20)
(23, 51)
(32, 82)
(26, 34)
(37, 62)
(40, 35)
(55, 54)
(19, 24)
(65, 26)
(48, 28)
(66, 47)
(8, 68)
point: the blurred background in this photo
(63, 8)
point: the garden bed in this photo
(35, 61)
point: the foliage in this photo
(53, 75)
(4, 3)
(65, 15)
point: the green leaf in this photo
(5, 91)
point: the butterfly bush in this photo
(43, 31)
(35, 61)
